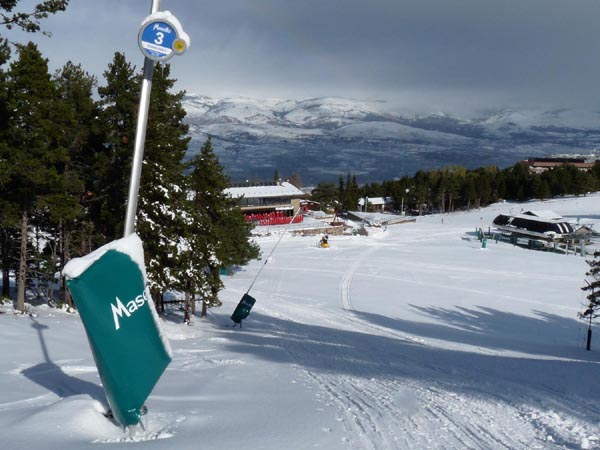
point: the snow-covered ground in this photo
(411, 338)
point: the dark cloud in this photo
(441, 53)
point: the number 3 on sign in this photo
(160, 36)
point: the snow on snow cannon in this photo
(243, 309)
(123, 330)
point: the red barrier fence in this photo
(272, 218)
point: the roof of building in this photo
(283, 189)
(543, 213)
(560, 163)
(375, 201)
(527, 223)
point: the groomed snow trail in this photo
(393, 389)
(380, 411)
(416, 338)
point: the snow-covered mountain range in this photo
(323, 138)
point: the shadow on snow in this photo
(51, 376)
(535, 377)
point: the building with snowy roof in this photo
(544, 225)
(377, 204)
(259, 198)
(540, 165)
(543, 214)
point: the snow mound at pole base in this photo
(82, 419)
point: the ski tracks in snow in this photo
(387, 414)
(382, 410)
(346, 282)
(348, 307)
(379, 412)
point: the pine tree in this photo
(326, 195)
(35, 150)
(468, 191)
(540, 188)
(454, 183)
(421, 191)
(483, 187)
(29, 20)
(341, 194)
(8, 209)
(436, 183)
(163, 204)
(348, 193)
(518, 182)
(595, 173)
(593, 288)
(84, 141)
(119, 100)
(227, 236)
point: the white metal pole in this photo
(140, 139)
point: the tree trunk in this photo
(6, 282)
(36, 271)
(66, 256)
(68, 297)
(86, 238)
(204, 309)
(50, 286)
(157, 299)
(5, 267)
(22, 264)
(186, 308)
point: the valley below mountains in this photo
(323, 138)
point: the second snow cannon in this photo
(243, 309)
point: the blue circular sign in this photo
(157, 40)
(161, 36)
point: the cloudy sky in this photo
(435, 55)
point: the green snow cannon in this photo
(243, 309)
(123, 330)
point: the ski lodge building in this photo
(268, 203)
(540, 165)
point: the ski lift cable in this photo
(273, 250)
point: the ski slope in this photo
(411, 338)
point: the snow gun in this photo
(109, 290)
